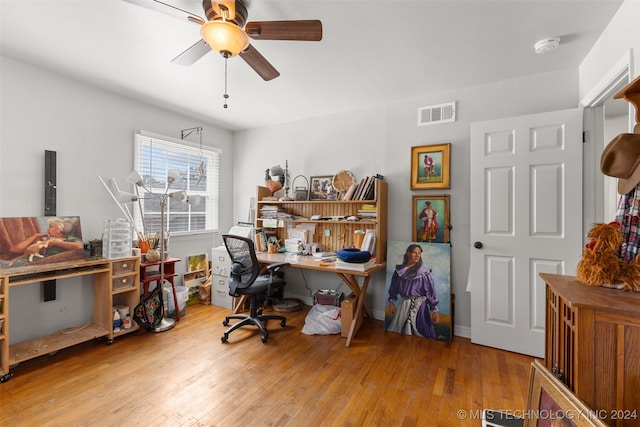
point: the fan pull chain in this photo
(226, 95)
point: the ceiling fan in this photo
(227, 32)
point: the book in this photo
(356, 193)
(350, 191)
(369, 241)
(356, 266)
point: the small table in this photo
(348, 276)
(150, 273)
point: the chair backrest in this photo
(244, 262)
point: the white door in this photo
(526, 219)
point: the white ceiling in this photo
(372, 52)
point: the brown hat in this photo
(621, 159)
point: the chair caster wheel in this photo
(225, 322)
(283, 322)
(224, 338)
(264, 339)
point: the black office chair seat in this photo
(245, 279)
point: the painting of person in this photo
(429, 218)
(23, 242)
(431, 167)
(413, 299)
(428, 165)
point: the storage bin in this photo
(120, 267)
(117, 239)
(123, 282)
(182, 294)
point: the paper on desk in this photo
(270, 223)
(298, 234)
(311, 231)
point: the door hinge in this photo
(585, 136)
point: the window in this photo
(199, 167)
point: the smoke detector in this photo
(546, 45)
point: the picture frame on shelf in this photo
(431, 218)
(321, 188)
(551, 401)
(430, 166)
(197, 262)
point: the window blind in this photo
(199, 167)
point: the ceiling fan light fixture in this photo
(224, 37)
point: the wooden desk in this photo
(350, 277)
(114, 280)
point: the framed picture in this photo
(431, 218)
(418, 290)
(430, 166)
(551, 403)
(322, 188)
(29, 241)
(197, 262)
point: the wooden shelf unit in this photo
(592, 342)
(115, 281)
(332, 234)
(150, 273)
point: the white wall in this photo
(379, 140)
(92, 132)
(621, 36)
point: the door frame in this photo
(593, 125)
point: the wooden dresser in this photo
(592, 344)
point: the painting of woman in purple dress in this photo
(418, 300)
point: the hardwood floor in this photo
(187, 377)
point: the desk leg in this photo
(352, 282)
(239, 304)
(360, 305)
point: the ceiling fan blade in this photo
(259, 64)
(192, 54)
(309, 30)
(167, 9)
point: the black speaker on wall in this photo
(50, 185)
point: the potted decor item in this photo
(153, 255)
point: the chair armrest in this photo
(276, 266)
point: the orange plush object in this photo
(600, 264)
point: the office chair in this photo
(245, 279)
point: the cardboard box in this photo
(347, 310)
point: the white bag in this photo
(322, 320)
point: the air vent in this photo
(434, 114)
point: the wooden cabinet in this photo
(593, 346)
(115, 282)
(125, 290)
(333, 234)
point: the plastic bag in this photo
(322, 320)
